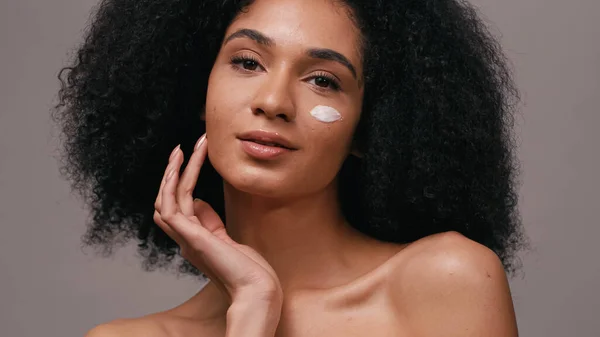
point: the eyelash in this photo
(236, 60)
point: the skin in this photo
(284, 223)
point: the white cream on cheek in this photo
(325, 114)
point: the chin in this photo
(256, 180)
(276, 178)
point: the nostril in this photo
(273, 114)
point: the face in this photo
(288, 73)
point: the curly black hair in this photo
(435, 130)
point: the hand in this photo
(239, 271)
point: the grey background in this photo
(50, 287)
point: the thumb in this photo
(207, 216)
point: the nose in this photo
(274, 97)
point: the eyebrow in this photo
(252, 34)
(317, 53)
(332, 55)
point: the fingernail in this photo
(174, 152)
(199, 142)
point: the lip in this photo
(263, 152)
(263, 138)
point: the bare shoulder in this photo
(143, 326)
(456, 282)
(176, 322)
(451, 255)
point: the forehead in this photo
(304, 24)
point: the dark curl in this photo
(435, 128)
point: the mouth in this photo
(266, 138)
(267, 143)
(264, 145)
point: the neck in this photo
(306, 239)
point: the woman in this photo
(357, 167)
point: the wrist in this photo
(253, 319)
(270, 299)
(269, 308)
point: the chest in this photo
(374, 318)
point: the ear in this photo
(203, 113)
(356, 153)
(355, 150)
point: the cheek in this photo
(223, 103)
(215, 94)
(332, 128)
(218, 118)
(329, 148)
(330, 142)
(325, 114)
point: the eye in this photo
(245, 63)
(325, 81)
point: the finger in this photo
(227, 263)
(220, 259)
(198, 240)
(183, 246)
(166, 228)
(207, 216)
(157, 202)
(169, 206)
(213, 223)
(171, 213)
(189, 177)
